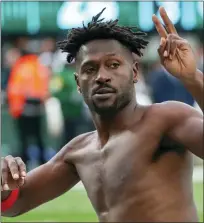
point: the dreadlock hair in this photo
(96, 29)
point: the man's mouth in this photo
(104, 90)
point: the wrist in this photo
(10, 200)
(5, 195)
(194, 79)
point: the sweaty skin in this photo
(137, 165)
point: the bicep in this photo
(189, 132)
(47, 182)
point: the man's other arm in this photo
(184, 125)
(44, 183)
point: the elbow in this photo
(199, 152)
(14, 211)
(10, 214)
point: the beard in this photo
(105, 110)
(111, 107)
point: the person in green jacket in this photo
(63, 87)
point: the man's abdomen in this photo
(167, 209)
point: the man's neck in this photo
(109, 125)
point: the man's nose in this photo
(103, 77)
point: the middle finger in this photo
(21, 166)
(169, 25)
(13, 167)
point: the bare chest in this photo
(127, 166)
(108, 171)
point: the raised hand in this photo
(13, 173)
(175, 52)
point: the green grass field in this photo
(74, 206)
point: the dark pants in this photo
(70, 130)
(30, 128)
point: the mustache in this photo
(101, 86)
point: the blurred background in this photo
(40, 107)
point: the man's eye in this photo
(89, 70)
(114, 65)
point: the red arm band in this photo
(11, 199)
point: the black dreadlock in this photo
(96, 29)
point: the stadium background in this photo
(34, 28)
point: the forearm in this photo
(36, 191)
(195, 87)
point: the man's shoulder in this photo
(66, 153)
(172, 110)
(80, 141)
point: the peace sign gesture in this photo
(175, 52)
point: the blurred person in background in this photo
(47, 50)
(22, 44)
(10, 58)
(165, 87)
(63, 87)
(27, 90)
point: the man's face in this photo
(105, 75)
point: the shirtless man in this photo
(137, 165)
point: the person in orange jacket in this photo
(27, 90)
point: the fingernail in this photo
(165, 53)
(16, 176)
(23, 173)
(6, 187)
(170, 56)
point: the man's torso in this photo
(138, 175)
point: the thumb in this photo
(182, 44)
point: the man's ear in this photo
(135, 67)
(77, 82)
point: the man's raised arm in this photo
(177, 57)
(185, 124)
(195, 87)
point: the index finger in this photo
(159, 27)
(21, 166)
(169, 25)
